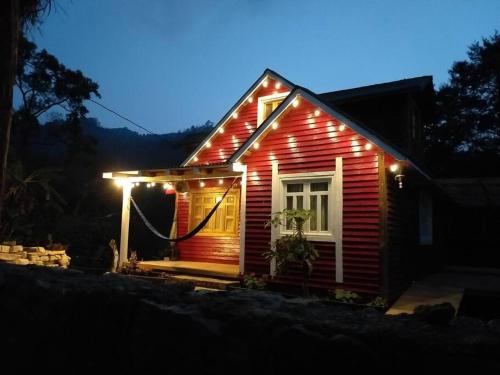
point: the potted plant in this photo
(294, 247)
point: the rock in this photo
(16, 249)
(22, 262)
(55, 252)
(494, 325)
(64, 261)
(441, 313)
(10, 256)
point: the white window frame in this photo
(336, 215)
(263, 100)
(306, 179)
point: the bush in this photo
(252, 282)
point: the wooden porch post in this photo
(127, 189)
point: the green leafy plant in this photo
(253, 282)
(346, 296)
(380, 302)
(292, 248)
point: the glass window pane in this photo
(294, 188)
(319, 186)
(289, 206)
(276, 103)
(268, 108)
(300, 202)
(324, 213)
(313, 220)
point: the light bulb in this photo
(202, 184)
(265, 83)
(208, 144)
(195, 158)
(221, 130)
(368, 146)
(250, 100)
(342, 127)
(317, 112)
(221, 181)
(235, 115)
(256, 145)
(295, 103)
(275, 125)
(277, 85)
(394, 167)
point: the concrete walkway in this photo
(425, 294)
(447, 286)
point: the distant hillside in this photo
(122, 148)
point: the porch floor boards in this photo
(229, 271)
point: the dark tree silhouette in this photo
(465, 137)
(14, 15)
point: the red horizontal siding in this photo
(236, 131)
(304, 145)
(202, 248)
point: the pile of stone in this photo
(38, 255)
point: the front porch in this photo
(229, 271)
(214, 250)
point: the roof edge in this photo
(267, 72)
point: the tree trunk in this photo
(9, 34)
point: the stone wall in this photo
(62, 320)
(17, 254)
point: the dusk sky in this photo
(171, 64)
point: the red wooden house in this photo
(345, 155)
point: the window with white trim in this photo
(267, 104)
(314, 194)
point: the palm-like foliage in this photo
(294, 247)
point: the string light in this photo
(218, 199)
(208, 144)
(277, 85)
(195, 158)
(317, 112)
(275, 125)
(250, 100)
(235, 115)
(202, 184)
(148, 185)
(342, 127)
(221, 130)
(256, 145)
(295, 103)
(265, 83)
(368, 146)
(394, 167)
(153, 184)
(221, 181)
(136, 184)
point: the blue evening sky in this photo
(175, 63)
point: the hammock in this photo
(189, 234)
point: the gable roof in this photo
(386, 88)
(316, 100)
(268, 73)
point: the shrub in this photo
(346, 296)
(252, 282)
(293, 248)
